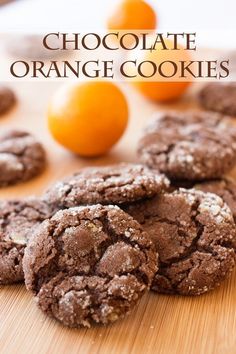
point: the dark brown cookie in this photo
(18, 219)
(22, 157)
(189, 146)
(115, 184)
(219, 97)
(89, 265)
(224, 188)
(7, 99)
(195, 237)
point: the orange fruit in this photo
(159, 88)
(132, 15)
(162, 91)
(88, 118)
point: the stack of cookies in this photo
(194, 149)
(86, 260)
(189, 227)
(95, 242)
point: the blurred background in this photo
(213, 20)
(90, 14)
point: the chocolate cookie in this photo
(89, 265)
(189, 146)
(195, 236)
(22, 157)
(219, 97)
(224, 188)
(18, 218)
(7, 99)
(115, 184)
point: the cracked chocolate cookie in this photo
(115, 184)
(18, 218)
(219, 97)
(189, 146)
(224, 188)
(89, 265)
(195, 236)
(7, 99)
(22, 157)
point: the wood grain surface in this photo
(160, 324)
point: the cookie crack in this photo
(185, 274)
(120, 238)
(210, 249)
(194, 244)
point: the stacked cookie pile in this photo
(194, 150)
(96, 241)
(86, 260)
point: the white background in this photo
(195, 14)
(29, 15)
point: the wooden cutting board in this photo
(159, 324)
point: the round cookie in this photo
(22, 157)
(18, 219)
(7, 99)
(224, 188)
(115, 184)
(89, 265)
(189, 146)
(219, 97)
(195, 236)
